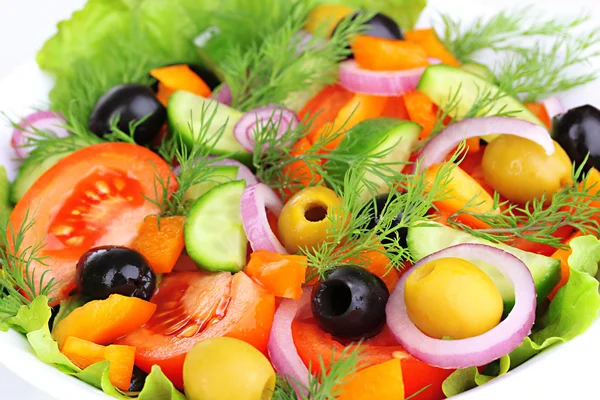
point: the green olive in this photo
(305, 218)
(520, 169)
(225, 368)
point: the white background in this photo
(25, 24)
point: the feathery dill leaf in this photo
(284, 63)
(194, 162)
(17, 278)
(539, 219)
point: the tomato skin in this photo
(194, 306)
(314, 344)
(116, 206)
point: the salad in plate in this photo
(302, 200)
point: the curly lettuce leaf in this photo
(31, 318)
(571, 313)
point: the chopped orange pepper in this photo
(378, 54)
(473, 145)
(462, 189)
(83, 354)
(421, 110)
(360, 108)
(395, 108)
(565, 270)
(430, 42)
(283, 275)
(178, 77)
(540, 111)
(592, 183)
(325, 106)
(381, 381)
(299, 172)
(160, 246)
(379, 264)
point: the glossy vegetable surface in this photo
(578, 132)
(160, 244)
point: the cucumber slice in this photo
(440, 82)
(395, 137)
(30, 172)
(218, 175)
(214, 234)
(427, 238)
(5, 206)
(480, 70)
(185, 117)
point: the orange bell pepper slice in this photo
(462, 189)
(381, 381)
(378, 264)
(378, 54)
(540, 111)
(178, 77)
(300, 173)
(421, 110)
(430, 42)
(83, 354)
(395, 108)
(283, 275)
(162, 244)
(324, 107)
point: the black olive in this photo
(138, 380)
(578, 132)
(207, 75)
(53, 313)
(376, 208)
(129, 103)
(107, 270)
(350, 303)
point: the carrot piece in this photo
(378, 54)
(325, 106)
(83, 354)
(540, 111)
(282, 275)
(463, 189)
(360, 108)
(104, 321)
(299, 173)
(179, 77)
(430, 42)
(395, 108)
(565, 270)
(161, 246)
(381, 381)
(421, 110)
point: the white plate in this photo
(567, 371)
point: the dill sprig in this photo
(326, 386)
(349, 236)
(539, 219)
(18, 280)
(194, 162)
(283, 63)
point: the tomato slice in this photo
(194, 306)
(93, 197)
(314, 344)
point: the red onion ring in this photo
(378, 83)
(46, 121)
(553, 106)
(243, 171)
(223, 95)
(479, 350)
(280, 117)
(256, 200)
(282, 350)
(438, 148)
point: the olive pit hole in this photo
(315, 213)
(336, 298)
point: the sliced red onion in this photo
(243, 171)
(479, 350)
(278, 116)
(434, 61)
(553, 106)
(282, 350)
(378, 83)
(256, 200)
(438, 148)
(46, 121)
(223, 95)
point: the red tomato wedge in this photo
(93, 197)
(314, 344)
(194, 306)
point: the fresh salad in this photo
(292, 199)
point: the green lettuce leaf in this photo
(31, 318)
(159, 387)
(571, 313)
